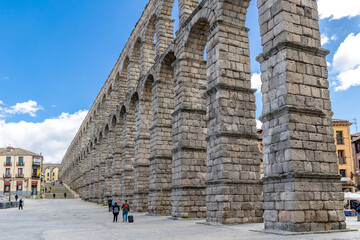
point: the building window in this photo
(8, 161)
(343, 173)
(7, 187)
(21, 161)
(20, 172)
(339, 138)
(53, 174)
(7, 172)
(341, 157)
(19, 186)
(36, 173)
(48, 174)
(357, 147)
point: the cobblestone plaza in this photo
(74, 219)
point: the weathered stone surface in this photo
(174, 133)
(299, 152)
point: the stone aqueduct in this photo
(176, 135)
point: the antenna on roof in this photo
(355, 123)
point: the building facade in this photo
(50, 172)
(176, 134)
(355, 140)
(344, 153)
(20, 172)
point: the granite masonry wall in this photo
(173, 129)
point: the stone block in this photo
(322, 216)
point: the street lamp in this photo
(10, 191)
(27, 186)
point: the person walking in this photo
(16, 197)
(125, 208)
(54, 195)
(110, 204)
(21, 204)
(64, 194)
(116, 210)
(357, 209)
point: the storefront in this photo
(6, 186)
(34, 187)
(19, 187)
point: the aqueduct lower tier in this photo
(176, 135)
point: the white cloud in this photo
(348, 79)
(256, 81)
(258, 124)
(346, 62)
(30, 107)
(50, 137)
(335, 9)
(324, 39)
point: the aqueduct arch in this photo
(182, 139)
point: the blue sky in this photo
(56, 55)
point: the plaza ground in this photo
(75, 219)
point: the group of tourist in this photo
(115, 209)
(356, 205)
(353, 205)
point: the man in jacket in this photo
(110, 204)
(21, 204)
(357, 209)
(125, 208)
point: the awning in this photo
(34, 183)
(352, 196)
(19, 182)
(7, 182)
(346, 179)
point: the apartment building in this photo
(355, 140)
(344, 153)
(20, 172)
(50, 172)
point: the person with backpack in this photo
(357, 209)
(116, 210)
(125, 208)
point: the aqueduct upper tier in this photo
(176, 134)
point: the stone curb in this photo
(286, 233)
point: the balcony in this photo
(36, 165)
(35, 176)
(7, 175)
(7, 164)
(19, 175)
(20, 164)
